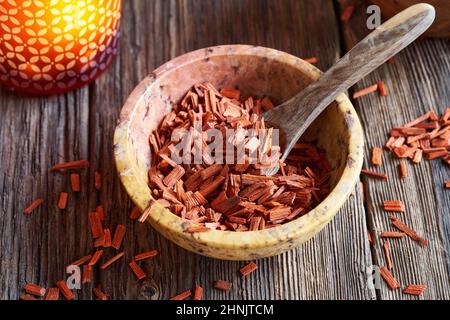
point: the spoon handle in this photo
(295, 115)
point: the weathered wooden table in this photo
(38, 132)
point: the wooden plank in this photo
(144, 45)
(316, 270)
(417, 82)
(38, 132)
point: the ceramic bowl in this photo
(255, 71)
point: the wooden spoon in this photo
(294, 116)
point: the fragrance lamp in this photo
(53, 46)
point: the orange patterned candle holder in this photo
(53, 46)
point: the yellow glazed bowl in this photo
(255, 71)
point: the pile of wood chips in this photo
(427, 136)
(236, 197)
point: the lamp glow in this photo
(53, 46)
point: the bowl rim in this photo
(168, 223)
